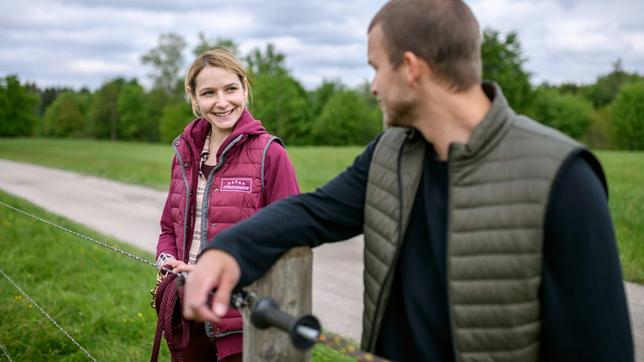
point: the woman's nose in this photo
(220, 100)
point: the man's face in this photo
(388, 84)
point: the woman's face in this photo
(220, 97)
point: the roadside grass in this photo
(625, 173)
(101, 298)
(148, 164)
(145, 164)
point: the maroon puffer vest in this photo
(233, 193)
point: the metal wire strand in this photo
(100, 243)
(47, 315)
(5, 352)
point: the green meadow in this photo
(89, 290)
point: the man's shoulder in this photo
(530, 127)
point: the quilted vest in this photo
(498, 189)
(233, 190)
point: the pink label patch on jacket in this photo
(236, 184)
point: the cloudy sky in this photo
(86, 42)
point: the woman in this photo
(226, 167)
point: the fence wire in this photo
(46, 315)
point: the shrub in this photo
(628, 116)
(568, 113)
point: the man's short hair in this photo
(444, 33)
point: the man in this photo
(487, 235)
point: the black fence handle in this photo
(304, 331)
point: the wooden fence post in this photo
(288, 282)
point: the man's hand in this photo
(214, 269)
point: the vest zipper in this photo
(392, 269)
(457, 356)
(188, 195)
(206, 195)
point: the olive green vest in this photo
(498, 188)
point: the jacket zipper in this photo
(188, 195)
(206, 196)
(392, 269)
(450, 307)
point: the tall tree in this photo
(606, 88)
(209, 43)
(278, 99)
(104, 114)
(628, 116)
(167, 60)
(268, 62)
(323, 93)
(18, 108)
(134, 120)
(503, 63)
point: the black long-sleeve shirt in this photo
(583, 305)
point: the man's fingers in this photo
(228, 280)
(215, 269)
(203, 313)
(222, 295)
(198, 286)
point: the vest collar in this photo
(489, 131)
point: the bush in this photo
(175, 118)
(346, 119)
(568, 113)
(600, 132)
(66, 117)
(628, 116)
(18, 107)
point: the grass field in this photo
(149, 164)
(625, 173)
(101, 298)
(89, 290)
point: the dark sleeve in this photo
(584, 310)
(332, 212)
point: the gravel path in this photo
(131, 213)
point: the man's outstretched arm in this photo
(244, 252)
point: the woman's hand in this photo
(178, 266)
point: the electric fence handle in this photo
(304, 331)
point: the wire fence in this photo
(342, 345)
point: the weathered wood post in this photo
(288, 282)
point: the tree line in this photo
(608, 113)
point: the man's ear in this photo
(415, 67)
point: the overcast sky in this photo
(84, 43)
